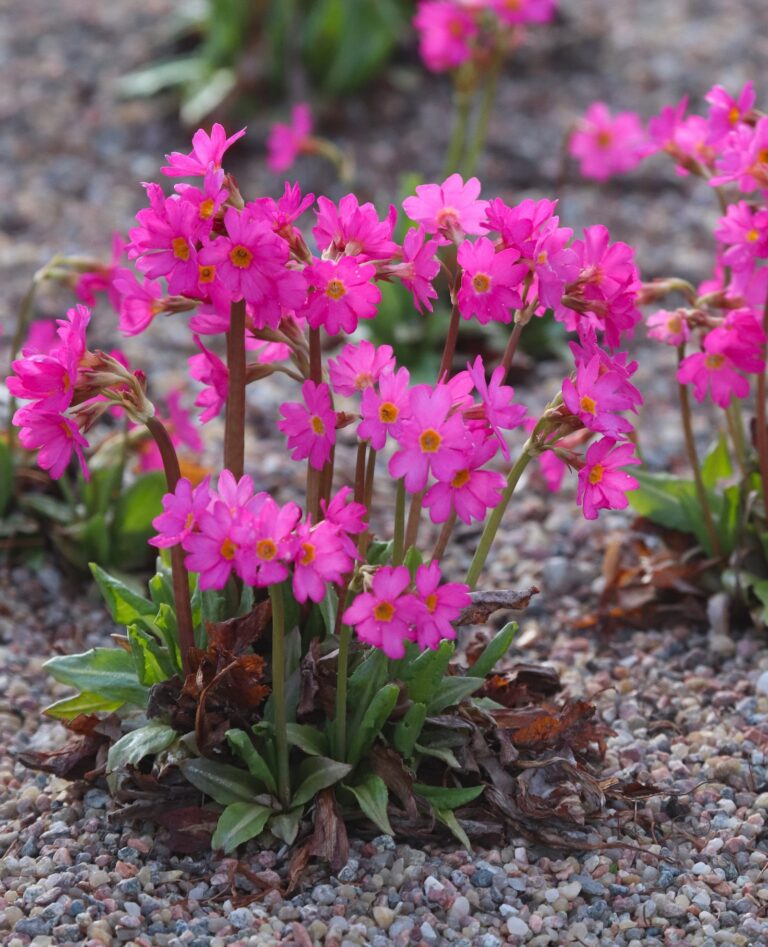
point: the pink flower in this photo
(489, 282)
(725, 112)
(206, 150)
(442, 606)
(606, 144)
(340, 294)
(451, 209)
(211, 549)
(497, 400)
(714, 372)
(347, 517)
(265, 544)
(669, 327)
(139, 302)
(745, 231)
(740, 336)
(209, 200)
(354, 229)
(602, 482)
(287, 142)
(55, 436)
(101, 279)
(430, 440)
(181, 512)
(383, 616)
(281, 214)
(359, 367)
(596, 396)
(310, 427)
(321, 558)
(524, 11)
(663, 128)
(383, 412)
(165, 243)
(445, 34)
(419, 267)
(470, 492)
(209, 369)
(745, 158)
(41, 338)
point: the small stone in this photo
(761, 687)
(490, 940)
(516, 927)
(383, 916)
(460, 909)
(700, 868)
(323, 894)
(241, 918)
(433, 888)
(482, 878)
(349, 871)
(762, 801)
(571, 890)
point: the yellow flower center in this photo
(240, 256)
(363, 380)
(206, 208)
(309, 554)
(588, 404)
(431, 602)
(266, 549)
(228, 549)
(596, 474)
(65, 428)
(460, 478)
(734, 115)
(762, 156)
(384, 611)
(675, 324)
(448, 216)
(604, 138)
(481, 282)
(206, 274)
(429, 441)
(317, 425)
(542, 258)
(189, 521)
(388, 412)
(753, 235)
(180, 248)
(714, 361)
(335, 289)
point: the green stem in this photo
(234, 429)
(486, 107)
(693, 459)
(736, 430)
(342, 672)
(179, 573)
(278, 694)
(463, 103)
(494, 520)
(398, 549)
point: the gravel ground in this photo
(689, 704)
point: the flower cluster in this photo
(453, 32)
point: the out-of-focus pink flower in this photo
(55, 436)
(445, 33)
(524, 11)
(490, 282)
(101, 280)
(745, 232)
(140, 302)
(359, 366)
(669, 327)
(209, 369)
(607, 144)
(206, 150)
(310, 427)
(383, 617)
(745, 158)
(725, 112)
(287, 141)
(602, 483)
(340, 293)
(451, 209)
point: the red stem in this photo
(234, 429)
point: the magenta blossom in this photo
(310, 427)
(209, 369)
(384, 411)
(182, 510)
(55, 437)
(714, 372)
(321, 558)
(745, 232)
(602, 482)
(607, 144)
(359, 367)
(354, 229)
(725, 112)
(499, 409)
(340, 293)
(140, 302)
(211, 548)
(490, 282)
(669, 327)
(471, 491)
(266, 544)
(383, 617)
(517, 12)
(287, 142)
(206, 150)
(419, 268)
(445, 34)
(442, 606)
(451, 209)
(595, 397)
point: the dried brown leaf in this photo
(484, 604)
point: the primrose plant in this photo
(286, 649)
(718, 329)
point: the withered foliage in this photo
(84, 755)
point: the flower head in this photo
(490, 282)
(383, 617)
(606, 144)
(602, 482)
(451, 209)
(286, 142)
(442, 606)
(340, 293)
(310, 427)
(206, 150)
(359, 367)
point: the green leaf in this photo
(124, 605)
(223, 783)
(424, 675)
(452, 691)
(315, 774)
(716, 465)
(443, 753)
(83, 703)
(379, 552)
(496, 648)
(307, 738)
(242, 744)
(659, 498)
(372, 796)
(368, 677)
(134, 746)
(448, 818)
(374, 718)
(153, 663)
(328, 608)
(412, 560)
(442, 797)
(407, 730)
(6, 477)
(166, 628)
(132, 525)
(109, 672)
(49, 507)
(285, 826)
(238, 823)
(161, 589)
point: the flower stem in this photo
(693, 459)
(486, 107)
(314, 476)
(234, 430)
(342, 670)
(398, 549)
(463, 101)
(736, 430)
(494, 520)
(278, 694)
(414, 519)
(444, 537)
(450, 344)
(509, 351)
(179, 573)
(762, 421)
